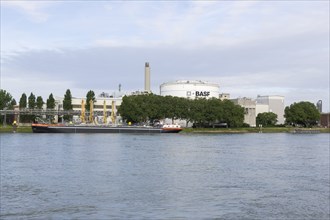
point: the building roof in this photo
(190, 82)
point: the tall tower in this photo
(319, 106)
(147, 78)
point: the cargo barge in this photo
(62, 128)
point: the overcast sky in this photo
(249, 48)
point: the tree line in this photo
(37, 102)
(202, 112)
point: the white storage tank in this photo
(190, 89)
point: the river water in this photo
(165, 176)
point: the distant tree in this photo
(302, 113)
(198, 112)
(32, 101)
(233, 114)
(23, 105)
(23, 101)
(266, 119)
(40, 102)
(6, 102)
(128, 109)
(89, 96)
(132, 109)
(50, 103)
(67, 103)
(32, 104)
(13, 103)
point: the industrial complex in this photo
(190, 89)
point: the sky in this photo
(249, 48)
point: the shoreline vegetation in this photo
(28, 129)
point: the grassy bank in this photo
(20, 129)
(248, 130)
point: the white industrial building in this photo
(190, 89)
(271, 103)
(249, 106)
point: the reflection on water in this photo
(102, 176)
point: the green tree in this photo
(67, 103)
(203, 112)
(266, 119)
(32, 104)
(155, 104)
(302, 114)
(198, 112)
(89, 96)
(130, 109)
(233, 114)
(213, 111)
(6, 102)
(32, 101)
(50, 103)
(23, 101)
(40, 102)
(23, 105)
(13, 103)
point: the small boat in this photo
(85, 128)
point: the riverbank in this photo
(19, 129)
(252, 130)
(28, 129)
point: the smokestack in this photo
(147, 78)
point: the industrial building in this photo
(272, 103)
(249, 106)
(325, 120)
(190, 89)
(224, 96)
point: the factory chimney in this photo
(147, 78)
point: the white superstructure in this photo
(190, 89)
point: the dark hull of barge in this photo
(41, 128)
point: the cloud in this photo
(35, 10)
(103, 69)
(249, 48)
